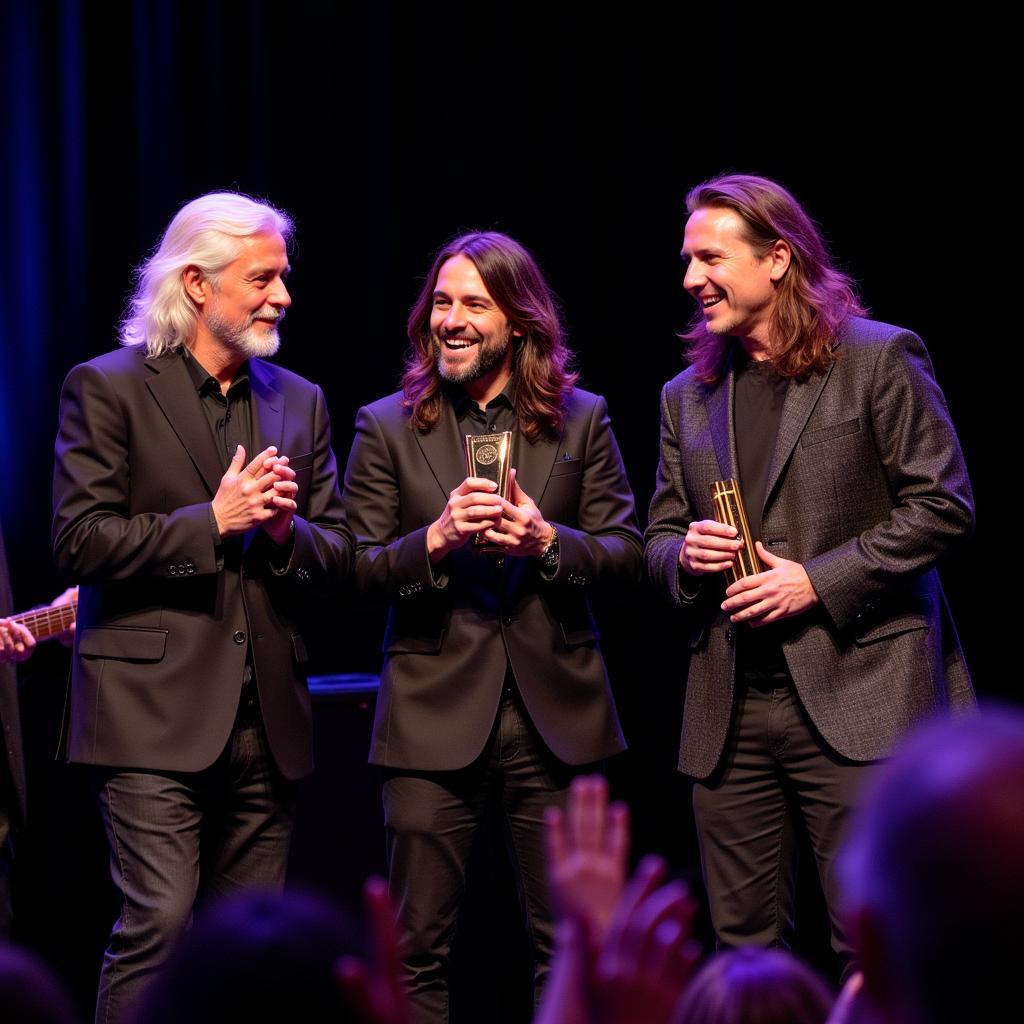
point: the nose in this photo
(456, 317)
(694, 278)
(280, 297)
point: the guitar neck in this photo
(47, 622)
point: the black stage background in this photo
(384, 128)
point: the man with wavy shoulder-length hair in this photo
(854, 483)
(493, 688)
(196, 499)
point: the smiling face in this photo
(734, 286)
(470, 336)
(241, 311)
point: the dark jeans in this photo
(776, 769)
(431, 820)
(176, 836)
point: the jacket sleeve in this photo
(323, 549)
(94, 537)
(670, 515)
(388, 566)
(927, 478)
(605, 547)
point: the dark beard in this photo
(487, 356)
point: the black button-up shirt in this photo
(229, 415)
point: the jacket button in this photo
(239, 637)
(730, 634)
(172, 571)
(506, 620)
(191, 569)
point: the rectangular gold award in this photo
(729, 509)
(489, 456)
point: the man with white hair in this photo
(196, 500)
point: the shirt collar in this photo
(462, 403)
(204, 381)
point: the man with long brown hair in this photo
(854, 483)
(493, 688)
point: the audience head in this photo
(754, 986)
(932, 872)
(29, 992)
(258, 956)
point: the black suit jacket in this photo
(867, 490)
(163, 623)
(14, 784)
(452, 632)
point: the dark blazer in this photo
(9, 720)
(163, 625)
(867, 490)
(451, 632)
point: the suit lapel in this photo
(721, 420)
(176, 395)
(801, 398)
(533, 464)
(267, 410)
(445, 451)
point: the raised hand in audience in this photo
(376, 987)
(588, 855)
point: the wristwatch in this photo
(549, 556)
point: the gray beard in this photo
(249, 341)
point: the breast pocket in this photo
(562, 493)
(832, 432)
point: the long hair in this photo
(541, 362)
(206, 233)
(812, 299)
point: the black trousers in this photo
(431, 820)
(178, 836)
(776, 770)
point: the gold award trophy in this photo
(489, 456)
(729, 510)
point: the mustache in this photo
(270, 315)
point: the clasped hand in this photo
(474, 508)
(260, 494)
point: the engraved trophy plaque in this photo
(729, 509)
(489, 456)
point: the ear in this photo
(196, 284)
(780, 254)
(517, 332)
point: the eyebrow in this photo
(261, 271)
(438, 294)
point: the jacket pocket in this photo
(894, 626)
(576, 635)
(301, 462)
(830, 433)
(567, 467)
(419, 630)
(130, 643)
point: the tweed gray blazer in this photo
(867, 490)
